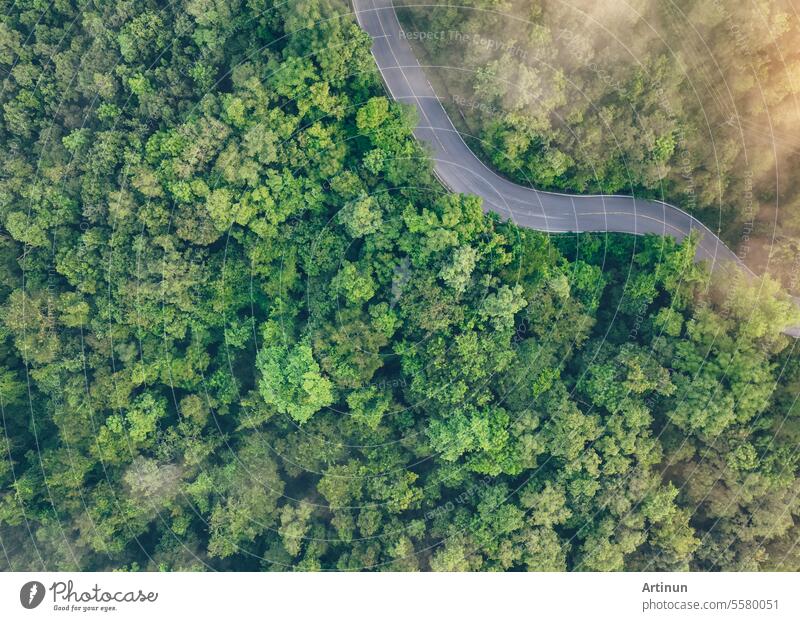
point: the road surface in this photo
(460, 170)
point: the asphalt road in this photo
(460, 170)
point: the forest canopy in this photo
(243, 328)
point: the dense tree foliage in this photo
(243, 328)
(692, 102)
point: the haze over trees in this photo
(243, 328)
(695, 103)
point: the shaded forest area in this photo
(694, 102)
(242, 328)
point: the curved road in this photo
(460, 170)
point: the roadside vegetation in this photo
(694, 103)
